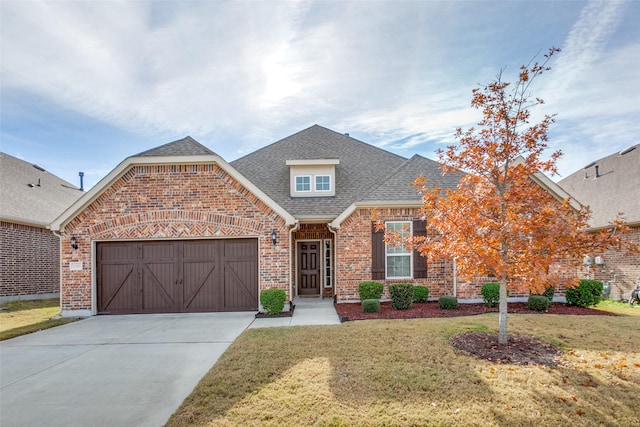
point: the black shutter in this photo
(377, 253)
(419, 262)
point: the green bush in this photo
(371, 306)
(370, 290)
(490, 293)
(538, 303)
(420, 293)
(401, 296)
(272, 300)
(448, 303)
(548, 293)
(588, 293)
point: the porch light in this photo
(274, 237)
(74, 243)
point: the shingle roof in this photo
(616, 188)
(362, 167)
(397, 185)
(183, 147)
(30, 194)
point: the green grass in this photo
(618, 307)
(406, 373)
(24, 317)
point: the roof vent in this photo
(40, 168)
(346, 134)
(589, 165)
(627, 150)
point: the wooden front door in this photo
(309, 268)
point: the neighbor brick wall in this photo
(173, 201)
(620, 268)
(29, 260)
(353, 256)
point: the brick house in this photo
(30, 198)
(178, 229)
(608, 186)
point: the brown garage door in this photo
(177, 276)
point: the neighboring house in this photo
(178, 229)
(30, 198)
(609, 186)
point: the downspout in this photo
(57, 233)
(292, 261)
(334, 254)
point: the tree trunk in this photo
(502, 332)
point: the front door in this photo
(309, 268)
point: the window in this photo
(327, 263)
(303, 183)
(323, 183)
(398, 258)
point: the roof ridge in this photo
(179, 147)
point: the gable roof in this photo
(613, 188)
(30, 195)
(184, 151)
(186, 146)
(362, 167)
(397, 185)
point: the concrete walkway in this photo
(308, 311)
(130, 370)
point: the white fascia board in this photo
(312, 162)
(551, 187)
(371, 205)
(67, 216)
(314, 219)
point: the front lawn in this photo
(23, 317)
(406, 373)
(618, 307)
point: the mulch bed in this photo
(520, 349)
(353, 311)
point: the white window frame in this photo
(328, 267)
(296, 182)
(408, 252)
(315, 181)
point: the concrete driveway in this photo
(111, 370)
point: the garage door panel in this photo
(199, 286)
(158, 286)
(177, 276)
(240, 293)
(121, 293)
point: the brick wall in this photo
(169, 202)
(353, 256)
(29, 260)
(620, 268)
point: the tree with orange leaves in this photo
(499, 220)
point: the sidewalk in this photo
(308, 311)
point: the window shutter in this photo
(419, 262)
(377, 253)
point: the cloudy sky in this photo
(85, 84)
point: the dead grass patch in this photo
(24, 317)
(406, 372)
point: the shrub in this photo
(538, 303)
(272, 300)
(370, 290)
(490, 294)
(448, 303)
(371, 306)
(401, 296)
(586, 294)
(548, 293)
(420, 293)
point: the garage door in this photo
(177, 276)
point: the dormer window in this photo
(313, 177)
(303, 183)
(323, 183)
